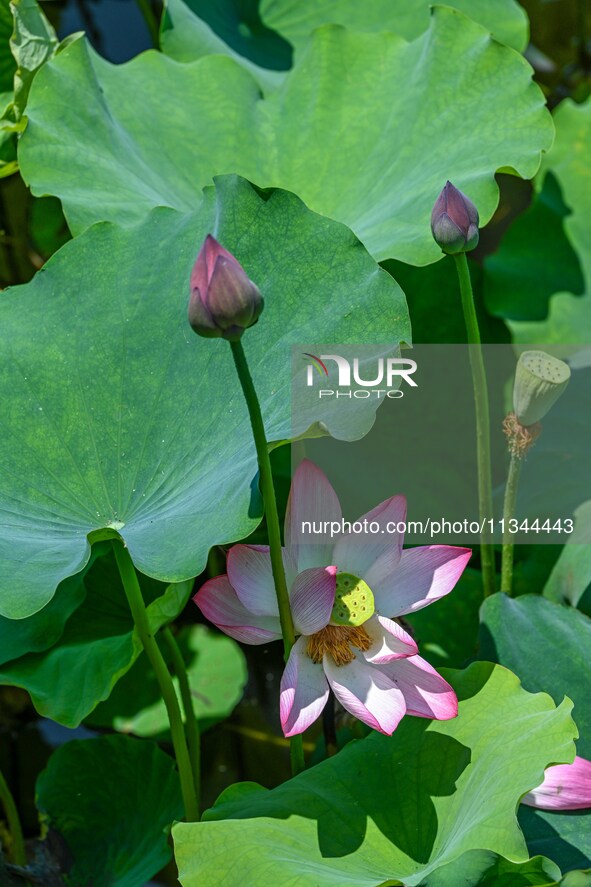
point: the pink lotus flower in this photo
(345, 595)
(565, 787)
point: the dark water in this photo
(116, 28)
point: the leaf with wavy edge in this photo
(387, 808)
(371, 149)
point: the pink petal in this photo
(304, 691)
(367, 693)
(426, 693)
(312, 499)
(423, 575)
(360, 553)
(565, 787)
(219, 603)
(251, 575)
(205, 263)
(389, 641)
(312, 599)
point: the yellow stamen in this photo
(336, 641)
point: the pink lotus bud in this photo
(565, 787)
(454, 221)
(224, 302)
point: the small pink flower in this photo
(565, 787)
(224, 301)
(345, 595)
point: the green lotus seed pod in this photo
(353, 603)
(540, 379)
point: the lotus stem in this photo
(508, 515)
(19, 855)
(191, 725)
(273, 527)
(485, 501)
(135, 599)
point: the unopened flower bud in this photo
(539, 381)
(454, 221)
(224, 301)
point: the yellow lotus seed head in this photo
(354, 603)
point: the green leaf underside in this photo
(217, 674)
(454, 788)
(547, 645)
(568, 161)
(355, 148)
(112, 799)
(43, 629)
(117, 415)
(98, 645)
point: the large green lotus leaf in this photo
(547, 645)
(115, 415)
(390, 808)
(216, 669)
(570, 318)
(112, 800)
(98, 646)
(295, 19)
(261, 34)
(534, 261)
(372, 149)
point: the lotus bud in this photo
(539, 381)
(454, 221)
(224, 301)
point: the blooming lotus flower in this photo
(565, 787)
(224, 302)
(454, 221)
(345, 596)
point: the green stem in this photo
(191, 725)
(508, 515)
(485, 502)
(133, 593)
(145, 8)
(19, 855)
(273, 528)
